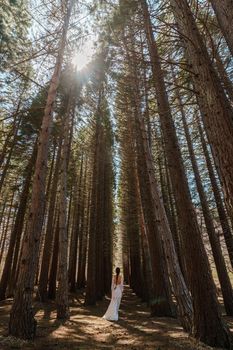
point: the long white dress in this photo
(113, 308)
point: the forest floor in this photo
(86, 329)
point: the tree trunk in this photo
(18, 225)
(218, 199)
(162, 304)
(224, 13)
(75, 232)
(223, 75)
(54, 262)
(22, 323)
(90, 297)
(62, 301)
(133, 233)
(83, 235)
(206, 309)
(13, 143)
(218, 111)
(49, 235)
(100, 216)
(2, 215)
(3, 239)
(6, 228)
(13, 132)
(108, 225)
(165, 236)
(214, 242)
(148, 293)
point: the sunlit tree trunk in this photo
(22, 323)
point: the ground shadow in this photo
(86, 329)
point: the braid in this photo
(117, 274)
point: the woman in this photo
(117, 289)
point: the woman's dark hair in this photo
(117, 273)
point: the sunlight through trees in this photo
(116, 143)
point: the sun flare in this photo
(84, 55)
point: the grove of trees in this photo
(136, 144)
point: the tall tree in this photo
(62, 290)
(198, 269)
(22, 323)
(18, 225)
(224, 13)
(214, 242)
(217, 115)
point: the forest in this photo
(116, 150)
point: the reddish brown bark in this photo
(198, 271)
(22, 323)
(224, 13)
(18, 225)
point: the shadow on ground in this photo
(87, 330)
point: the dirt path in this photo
(87, 330)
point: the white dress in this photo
(113, 308)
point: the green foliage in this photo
(32, 118)
(14, 26)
